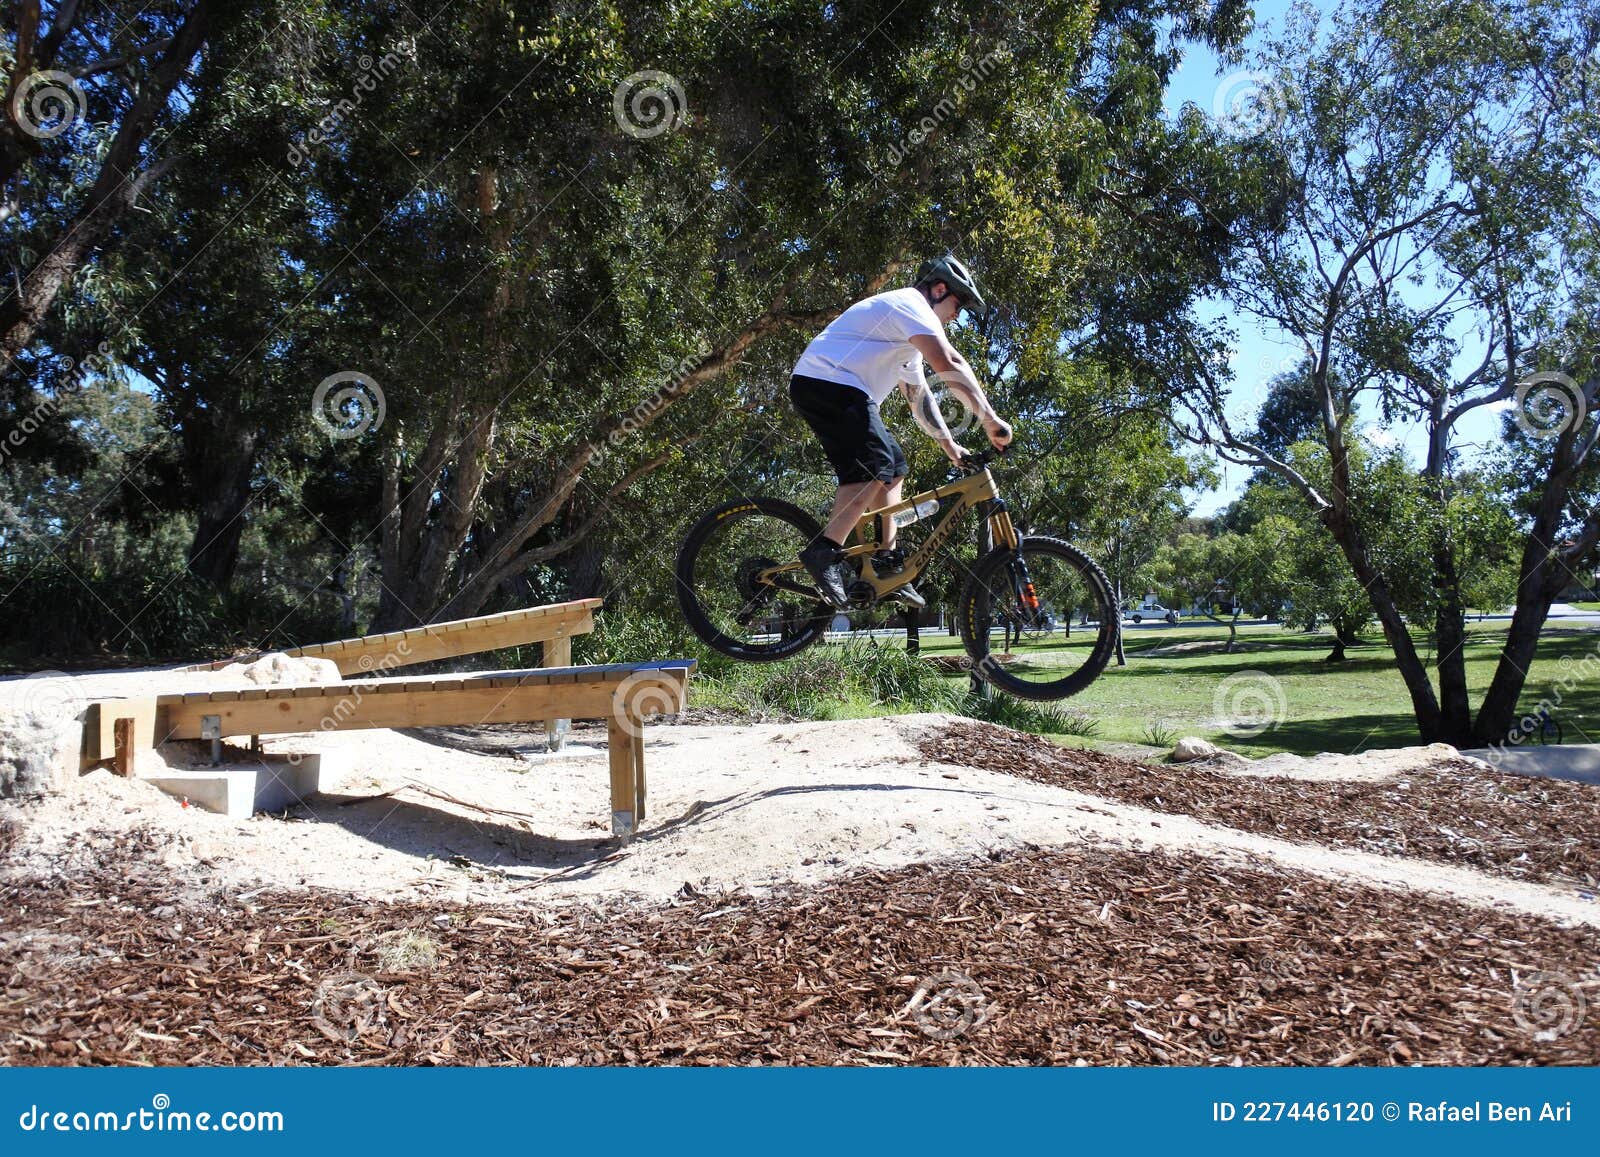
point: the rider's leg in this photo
(852, 500)
(891, 495)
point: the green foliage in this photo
(1025, 715)
(860, 676)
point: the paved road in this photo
(1579, 761)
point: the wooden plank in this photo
(358, 704)
(100, 736)
(444, 640)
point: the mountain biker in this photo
(847, 372)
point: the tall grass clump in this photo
(1024, 715)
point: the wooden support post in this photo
(123, 746)
(627, 760)
(557, 653)
(638, 781)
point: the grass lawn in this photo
(1312, 705)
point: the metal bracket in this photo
(211, 728)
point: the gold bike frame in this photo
(967, 492)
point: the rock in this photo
(41, 733)
(1191, 747)
(277, 668)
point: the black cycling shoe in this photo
(891, 561)
(907, 595)
(825, 563)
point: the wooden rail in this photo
(623, 694)
(552, 625)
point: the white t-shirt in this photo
(867, 345)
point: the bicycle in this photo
(744, 593)
(1545, 729)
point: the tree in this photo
(1429, 171)
(137, 85)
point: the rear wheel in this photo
(1013, 592)
(722, 594)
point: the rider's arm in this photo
(925, 412)
(947, 362)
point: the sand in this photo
(731, 809)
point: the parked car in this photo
(1154, 611)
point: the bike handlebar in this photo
(975, 462)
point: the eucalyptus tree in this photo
(571, 240)
(1427, 178)
(90, 105)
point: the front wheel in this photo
(1014, 591)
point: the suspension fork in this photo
(1003, 532)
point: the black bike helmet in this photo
(956, 276)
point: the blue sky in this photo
(1259, 352)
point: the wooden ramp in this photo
(625, 695)
(552, 625)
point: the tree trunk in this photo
(116, 188)
(1541, 577)
(1424, 704)
(1455, 710)
(220, 457)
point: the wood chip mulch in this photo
(1543, 830)
(1093, 955)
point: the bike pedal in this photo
(861, 593)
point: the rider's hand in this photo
(953, 450)
(999, 433)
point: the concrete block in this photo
(267, 783)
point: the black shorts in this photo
(857, 443)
